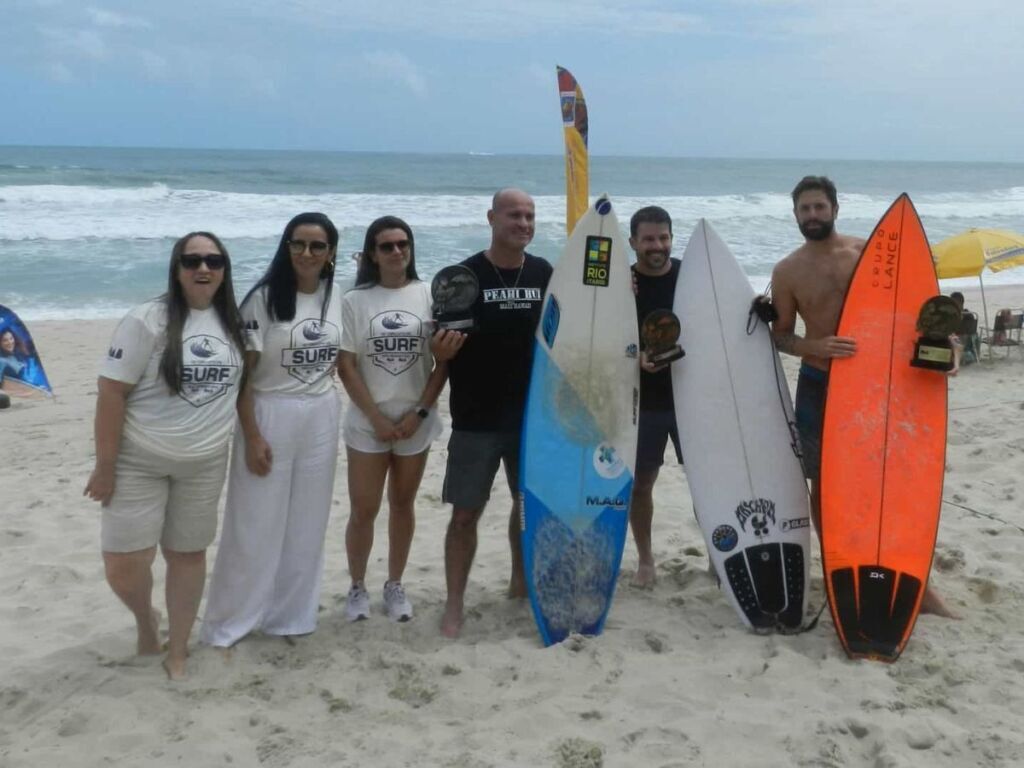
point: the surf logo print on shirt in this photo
(513, 298)
(395, 342)
(313, 351)
(210, 367)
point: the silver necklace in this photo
(519, 274)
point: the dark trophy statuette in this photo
(454, 291)
(937, 321)
(660, 334)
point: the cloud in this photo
(398, 68)
(104, 18)
(79, 43)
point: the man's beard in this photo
(814, 229)
(656, 259)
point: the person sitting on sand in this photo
(164, 415)
(967, 333)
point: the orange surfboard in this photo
(883, 446)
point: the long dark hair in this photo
(177, 310)
(368, 271)
(279, 279)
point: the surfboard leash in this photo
(763, 311)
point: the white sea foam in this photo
(55, 212)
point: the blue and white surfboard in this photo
(580, 432)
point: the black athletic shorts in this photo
(654, 431)
(811, 388)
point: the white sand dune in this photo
(674, 680)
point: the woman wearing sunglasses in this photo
(164, 413)
(393, 382)
(270, 560)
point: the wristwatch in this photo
(422, 412)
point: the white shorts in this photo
(161, 500)
(359, 435)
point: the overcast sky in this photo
(887, 79)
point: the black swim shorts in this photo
(654, 430)
(811, 388)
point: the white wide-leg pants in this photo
(270, 559)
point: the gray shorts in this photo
(473, 459)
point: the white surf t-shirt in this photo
(297, 356)
(196, 422)
(388, 331)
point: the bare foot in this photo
(451, 621)
(517, 587)
(644, 577)
(935, 605)
(148, 643)
(175, 668)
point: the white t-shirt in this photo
(297, 356)
(388, 331)
(196, 422)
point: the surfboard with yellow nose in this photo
(579, 435)
(883, 446)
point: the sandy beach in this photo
(674, 680)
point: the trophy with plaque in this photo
(660, 335)
(454, 290)
(938, 319)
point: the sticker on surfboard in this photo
(595, 264)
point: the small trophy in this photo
(938, 319)
(660, 334)
(454, 290)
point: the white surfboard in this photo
(739, 443)
(579, 435)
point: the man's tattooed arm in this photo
(786, 342)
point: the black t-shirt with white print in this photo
(490, 375)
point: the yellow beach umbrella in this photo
(972, 252)
(975, 250)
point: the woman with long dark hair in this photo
(393, 382)
(164, 414)
(270, 560)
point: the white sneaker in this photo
(357, 604)
(396, 603)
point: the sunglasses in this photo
(214, 261)
(392, 246)
(316, 247)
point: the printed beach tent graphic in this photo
(21, 372)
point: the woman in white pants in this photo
(164, 413)
(393, 381)
(269, 564)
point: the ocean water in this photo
(86, 232)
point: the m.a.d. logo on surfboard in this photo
(607, 462)
(595, 264)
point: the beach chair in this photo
(968, 335)
(1006, 331)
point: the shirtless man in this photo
(812, 281)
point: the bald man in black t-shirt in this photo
(489, 377)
